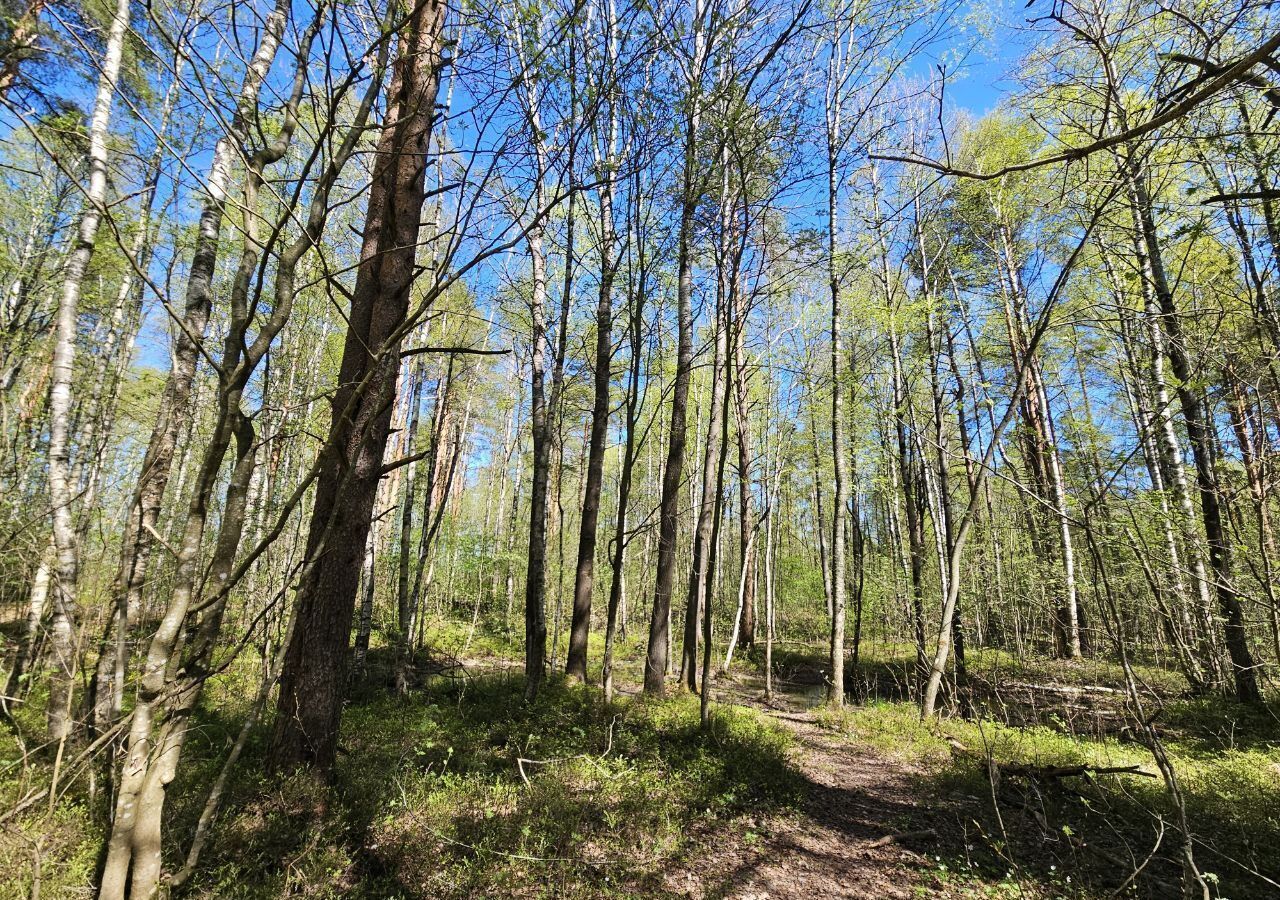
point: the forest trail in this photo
(863, 830)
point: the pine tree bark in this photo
(313, 678)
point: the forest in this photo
(639, 448)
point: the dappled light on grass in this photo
(430, 800)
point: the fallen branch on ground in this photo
(904, 836)
(1049, 773)
(522, 761)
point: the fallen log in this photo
(1050, 773)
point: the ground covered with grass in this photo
(461, 789)
(464, 791)
(1006, 822)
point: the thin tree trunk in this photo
(1242, 664)
(37, 606)
(576, 663)
(713, 567)
(700, 576)
(747, 524)
(658, 655)
(170, 687)
(617, 584)
(109, 674)
(157, 463)
(61, 486)
(839, 452)
(404, 610)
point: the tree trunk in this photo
(700, 576)
(108, 682)
(37, 606)
(713, 567)
(172, 681)
(313, 679)
(656, 659)
(747, 524)
(1044, 457)
(576, 664)
(1179, 355)
(617, 584)
(404, 610)
(61, 488)
(839, 452)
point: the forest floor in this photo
(860, 832)
(896, 809)
(459, 789)
(865, 829)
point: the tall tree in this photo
(62, 488)
(313, 679)
(690, 193)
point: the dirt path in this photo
(863, 830)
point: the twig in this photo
(904, 836)
(520, 760)
(1150, 856)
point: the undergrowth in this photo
(1226, 758)
(465, 791)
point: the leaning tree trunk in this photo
(179, 658)
(313, 678)
(108, 680)
(157, 463)
(1045, 459)
(1194, 416)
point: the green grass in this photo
(1231, 785)
(61, 844)
(430, 800)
